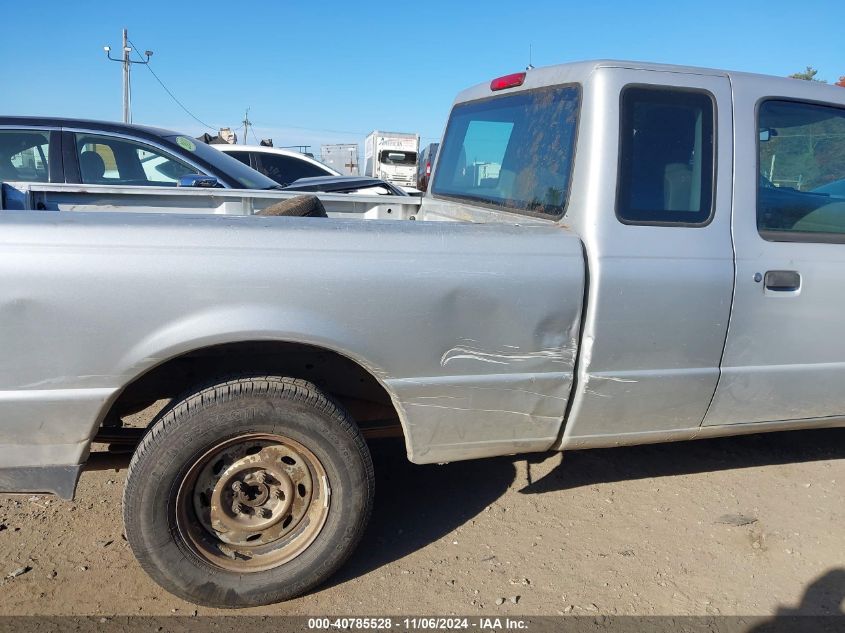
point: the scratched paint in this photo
(504, 357)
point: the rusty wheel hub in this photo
(253, 503)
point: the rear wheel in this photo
(248, 492)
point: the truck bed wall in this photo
(110, 198)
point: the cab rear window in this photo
(514, 152)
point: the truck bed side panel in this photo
(471, 328)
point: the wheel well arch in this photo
(345, 379)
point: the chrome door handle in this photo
(783, 280)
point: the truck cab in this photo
(711, 209)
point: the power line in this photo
(251, 123)
(172, 96)
(320, 129)
(316, 129)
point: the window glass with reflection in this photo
(105, 160)
(24, 155)
(666, 162)
(801, 158)
(511, 151)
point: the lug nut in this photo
(238, 508)
(265, 513)
(278, 494)
(237, 486)
(260, 477)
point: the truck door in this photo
(658, 242)
(784, 357)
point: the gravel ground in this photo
(747, 526)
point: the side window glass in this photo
(801, 158)
(286, 169)
(97, 163)
(24, 155)
(107, 160)
(241, 156)
(666, 161)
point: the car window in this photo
(235, 173)
(801, 158)
(241, 156)
(512, 151)
(666, 157)
(286, 169)
(24, 155)
(109, 160)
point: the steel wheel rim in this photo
(253, 502)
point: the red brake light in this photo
(428, 169)
(508, 81)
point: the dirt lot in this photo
(750, 526)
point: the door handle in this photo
(783, 280)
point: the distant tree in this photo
(841, 81)
(808, 75)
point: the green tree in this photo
(808, 75)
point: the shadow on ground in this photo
(590, 467)
(417, 505)
(819, 611)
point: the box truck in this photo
(392, 156)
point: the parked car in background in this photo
(297, 172)
(57, 150)
(426, 162)
(283, 166)
(79, 165)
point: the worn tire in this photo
(304, 206)
(223, 412)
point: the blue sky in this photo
(321, 72)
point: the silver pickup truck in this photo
(609, 253)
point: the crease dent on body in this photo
(503, 358)
(523, 413)
(599, 377)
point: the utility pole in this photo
(127, 67)
(127, 96)
(246, 123)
